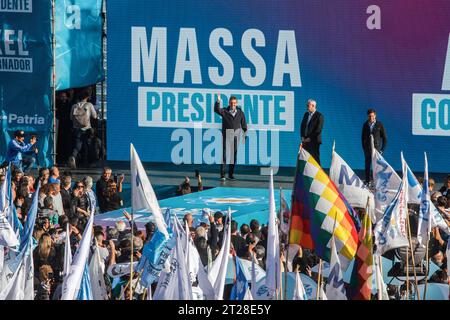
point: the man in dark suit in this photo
(374, 128)
(311, 130)
(233, 123)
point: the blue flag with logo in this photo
(78, 28)
(155, 254)
(240, 287)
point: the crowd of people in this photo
(65, 202)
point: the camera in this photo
(50, 275)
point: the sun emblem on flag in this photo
(231, 200)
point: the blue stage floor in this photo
(245, 203)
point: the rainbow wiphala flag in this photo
(361, 280)
(318, 207)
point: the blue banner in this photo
(78, 28)
(25, 73)
(168, 60)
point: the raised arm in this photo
(217, 108)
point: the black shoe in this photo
(222, 178)
(231, 178)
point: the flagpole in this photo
(428, 267)
(286, 269)
(132, 253)
(379, 278)
(407, 274)
(416, 283)
(289, 232)
(319, 287)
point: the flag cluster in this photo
(318, 208)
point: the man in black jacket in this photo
(233, 123)
(311, 130)
(374, 128)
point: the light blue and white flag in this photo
(351, 185)
(415, 191)
(273, 269)
(67, 252)
(143, 196)
(72, 281)
(17, 280)
(424, 224)
(240, 287)
(390, 232)
(28, 228)
(386, 181)
(335, 286)
(299, 290)
(154, 255)
(7, 236)
(85, 292)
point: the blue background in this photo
(78, 51)
(344, 66)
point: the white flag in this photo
(299, 290)
(335, 285)
(175, 284)
(142, 193)
(424, 224)
(7, 236)
(19, 276)
(351, 185)
(218, 272)
(381, 286)
(448, 260)
(2, 259)
(196, 269)
(273, 246)
(248, 294)
(416, 192)
(386, 182)
(67, 253)
(284, 214)
(254, 282)
(322, 295)
(149, 293)
(71, 283)
(390, 232)
(96, 274)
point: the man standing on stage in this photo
(311, 130)
(233, 123)
(374, 128)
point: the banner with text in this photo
(25, 73)
(166, 69)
